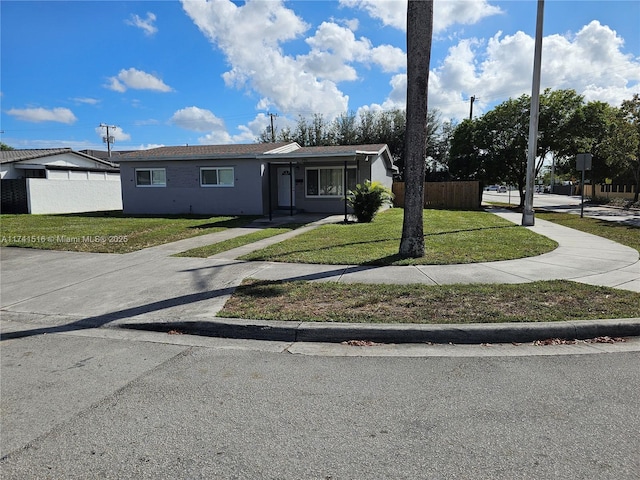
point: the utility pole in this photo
(472, 99)
(108, 139)
(528, 215)
(273, 132)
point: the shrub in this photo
(367, 198)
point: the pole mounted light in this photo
(528, 217)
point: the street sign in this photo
(583, 161)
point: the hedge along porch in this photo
(251, 179)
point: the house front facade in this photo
(251, 179)
(58, 180)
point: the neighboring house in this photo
(104, 155)
(57, 180)
(249, 179)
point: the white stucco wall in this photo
(78, 192)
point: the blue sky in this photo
(197, 72)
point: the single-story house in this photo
(249, 179)
(57, 180)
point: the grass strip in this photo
(451, 237)
(230, 244)
(620, 232)
(107, 232)
(544, 301)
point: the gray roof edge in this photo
(34, 153)
(170, 158)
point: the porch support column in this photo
(345, 192)
(291, 188)
(269, 189)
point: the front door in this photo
(286, 188)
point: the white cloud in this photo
(303, 84)
(145, 24)
(197, 119)
(137, 80)
(590, 62)
(202, 120)
(87, 101)
(36, 115)
(148, 146)
(334, 48)
(258, 63)
(393, 13)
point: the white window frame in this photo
(151, 170)
(217, 170)
(336, 167)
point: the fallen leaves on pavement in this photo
(564, 341)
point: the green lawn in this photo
(108, 232)
(450, 237)
(628, 235)
(230, 244)
(546, 301)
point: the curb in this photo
(475, 333)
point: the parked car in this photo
(502, 189)
(496, 188)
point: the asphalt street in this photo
(568, 204)
(79, 400)
(115, 404)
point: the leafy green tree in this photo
(343, 129)
(502, 136)
(630, 161)
(4, 147)
(465, 160)
(493, 148)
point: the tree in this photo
(465, 161)
(494, 148)
(344, 130)
(502, 137)
(597, 122)
(419, 35)
(630, 111)
(559, 126)
(4, 147)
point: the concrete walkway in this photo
(580, 257)
(150, 289)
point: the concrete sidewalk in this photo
(580, 257)
(152, 290)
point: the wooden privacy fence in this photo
(609, 191)
(448, 195)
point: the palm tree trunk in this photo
(419, 33)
